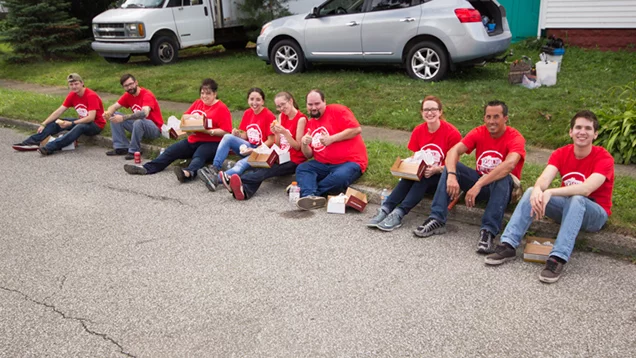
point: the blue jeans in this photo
(496, 193)
(408, 193)
(315, 178)
(573, 213)
(252, 180)
(231, 142)
(74, 132)
(200, 152)
(139, 128)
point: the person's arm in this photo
(52, 117)
(452, 157)
(300, 129)
(112, 109)
(499, 172)
(88, 119)
(339, 137)
(271, 139)
(306, 149)
(143, 114)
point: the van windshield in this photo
(130, 4)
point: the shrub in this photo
(617, 124)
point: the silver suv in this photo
(428, 37)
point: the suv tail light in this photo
(468, 15)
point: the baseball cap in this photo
(74, 77)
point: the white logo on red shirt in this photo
(435, 152)
(135, 108)
(284, 143)
(315, 138)
(488, 161)
(573, 178)
(81, 110)
(254, 134)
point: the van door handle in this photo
(205, 8)
(407, 19)
(352, 23)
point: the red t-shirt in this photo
(336, 119)
(576, 171)
(291, 125)
(218, 113)
(438, 143)
(145, 98)
(491, 152)
(257, 126)
(90, 101)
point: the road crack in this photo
(81, 320)
(153, 197)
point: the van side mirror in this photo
(315, 12)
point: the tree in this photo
(85, 11)
(41, 29)
(259, 12)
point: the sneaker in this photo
(430, 227)
(225, 179)
(311, 202)
(181, 177)
(130, 156)
(237, 187)
(392, 222)
(486, 243)
(381, 215)
(209, 177)
(552, 271)
(25, 147)
(135, 169)
(117, 151)
(43, 151)
(503, 253)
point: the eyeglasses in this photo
(282, 105)
(430, 109)
(129, 84)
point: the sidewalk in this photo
(604, 241)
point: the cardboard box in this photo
(195, 123)
(48, 139)
(410, 171)
(283, 155)
(336, 204)
(262, 160)
(177, 133)
(357, 200)
(537, 252)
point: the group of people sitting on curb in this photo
(331, 135)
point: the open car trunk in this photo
(493, 10)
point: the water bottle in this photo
(383, 196)
(294, 193)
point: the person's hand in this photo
(471, 195)
(306, 138)
(538, 201)
(237, 132)
(40, 128)
(65, 124)
(326, 139)
(106, 115)
(452, 187)
(278, 129)
(432, 170)
(118, 118)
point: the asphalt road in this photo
(97, 263)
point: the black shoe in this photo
(552, 271)
(486, 243)
(135, 169)
(130, 156)
(503, 253)
(42, 150)
(311, 202)
(25, 147)
(210, 177)
(117, 151)
(430, 227)
(181, 177)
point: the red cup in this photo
(137, 158)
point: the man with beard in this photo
(583, 201)
(340, 157)
(89, 108)
(145, 122)
(500, 153)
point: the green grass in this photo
(380, 96)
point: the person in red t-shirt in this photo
(145, 122)
(583, 201)
(291, 125)
(433, 138)
(89, 108)
(340, 157)
(500, 152)
(253, 131)
(200, 146)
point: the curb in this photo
(604, 241)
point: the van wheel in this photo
(427, 61)
(117, 59)
(287, 57)
(163, 51)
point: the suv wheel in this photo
(287, 57)
(427, 61)
(163, 51)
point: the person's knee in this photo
(138, 125)
(578, 200)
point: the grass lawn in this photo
(380, 96)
